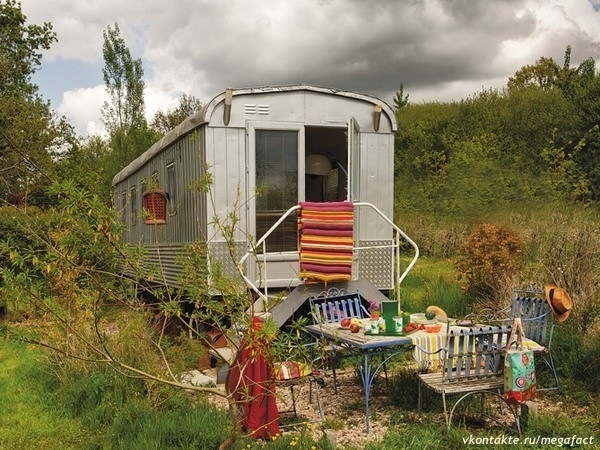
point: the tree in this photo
(165, 122)
(547, 74)
(21, 48)
(85, 165)
(124, 115)
(400, 100)
(28, 131)
(542, 74)
(572, 80)
(70, 275)
(124, 83)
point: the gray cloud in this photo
(439, 49)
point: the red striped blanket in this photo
(326, 240)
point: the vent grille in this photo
(256, 109)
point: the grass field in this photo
(27, 419)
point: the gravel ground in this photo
(344, 410)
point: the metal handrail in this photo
(259, 243)
(395, 245)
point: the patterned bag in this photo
(519, 368)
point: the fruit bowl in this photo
(433, 327)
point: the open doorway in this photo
(326, 170)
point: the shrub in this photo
(492, 255)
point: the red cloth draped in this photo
(252, 386)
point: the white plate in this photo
(419, 319)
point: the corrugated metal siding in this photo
(184, 128)
(188, 223)
(161, 264)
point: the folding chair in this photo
(297, 370)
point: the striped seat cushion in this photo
(290, 370)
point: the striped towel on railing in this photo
(326, 240)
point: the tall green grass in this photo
(179, 425)
(433, 282)
(122, 413)
(28, 417)
(101, 410)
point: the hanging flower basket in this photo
(155, 206)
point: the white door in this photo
(353, 160)
(276, 156)
(354, 178)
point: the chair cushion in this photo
(289, 370)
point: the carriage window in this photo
(172, 189)
(124, 206)
(133, 205)
(277, 170)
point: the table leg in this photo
(367, 376)
(367, 379)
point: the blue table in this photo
(366, 346)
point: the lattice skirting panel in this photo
(375, 264)
(219, 254)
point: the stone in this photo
(197, 378)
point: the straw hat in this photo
(560, 302)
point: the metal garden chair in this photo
(472, 364)
(532, 306)
(299, 368)
(333, 306)
(538, 321)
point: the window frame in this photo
(133, 200)
(171, 188)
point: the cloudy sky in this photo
(441, 50)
